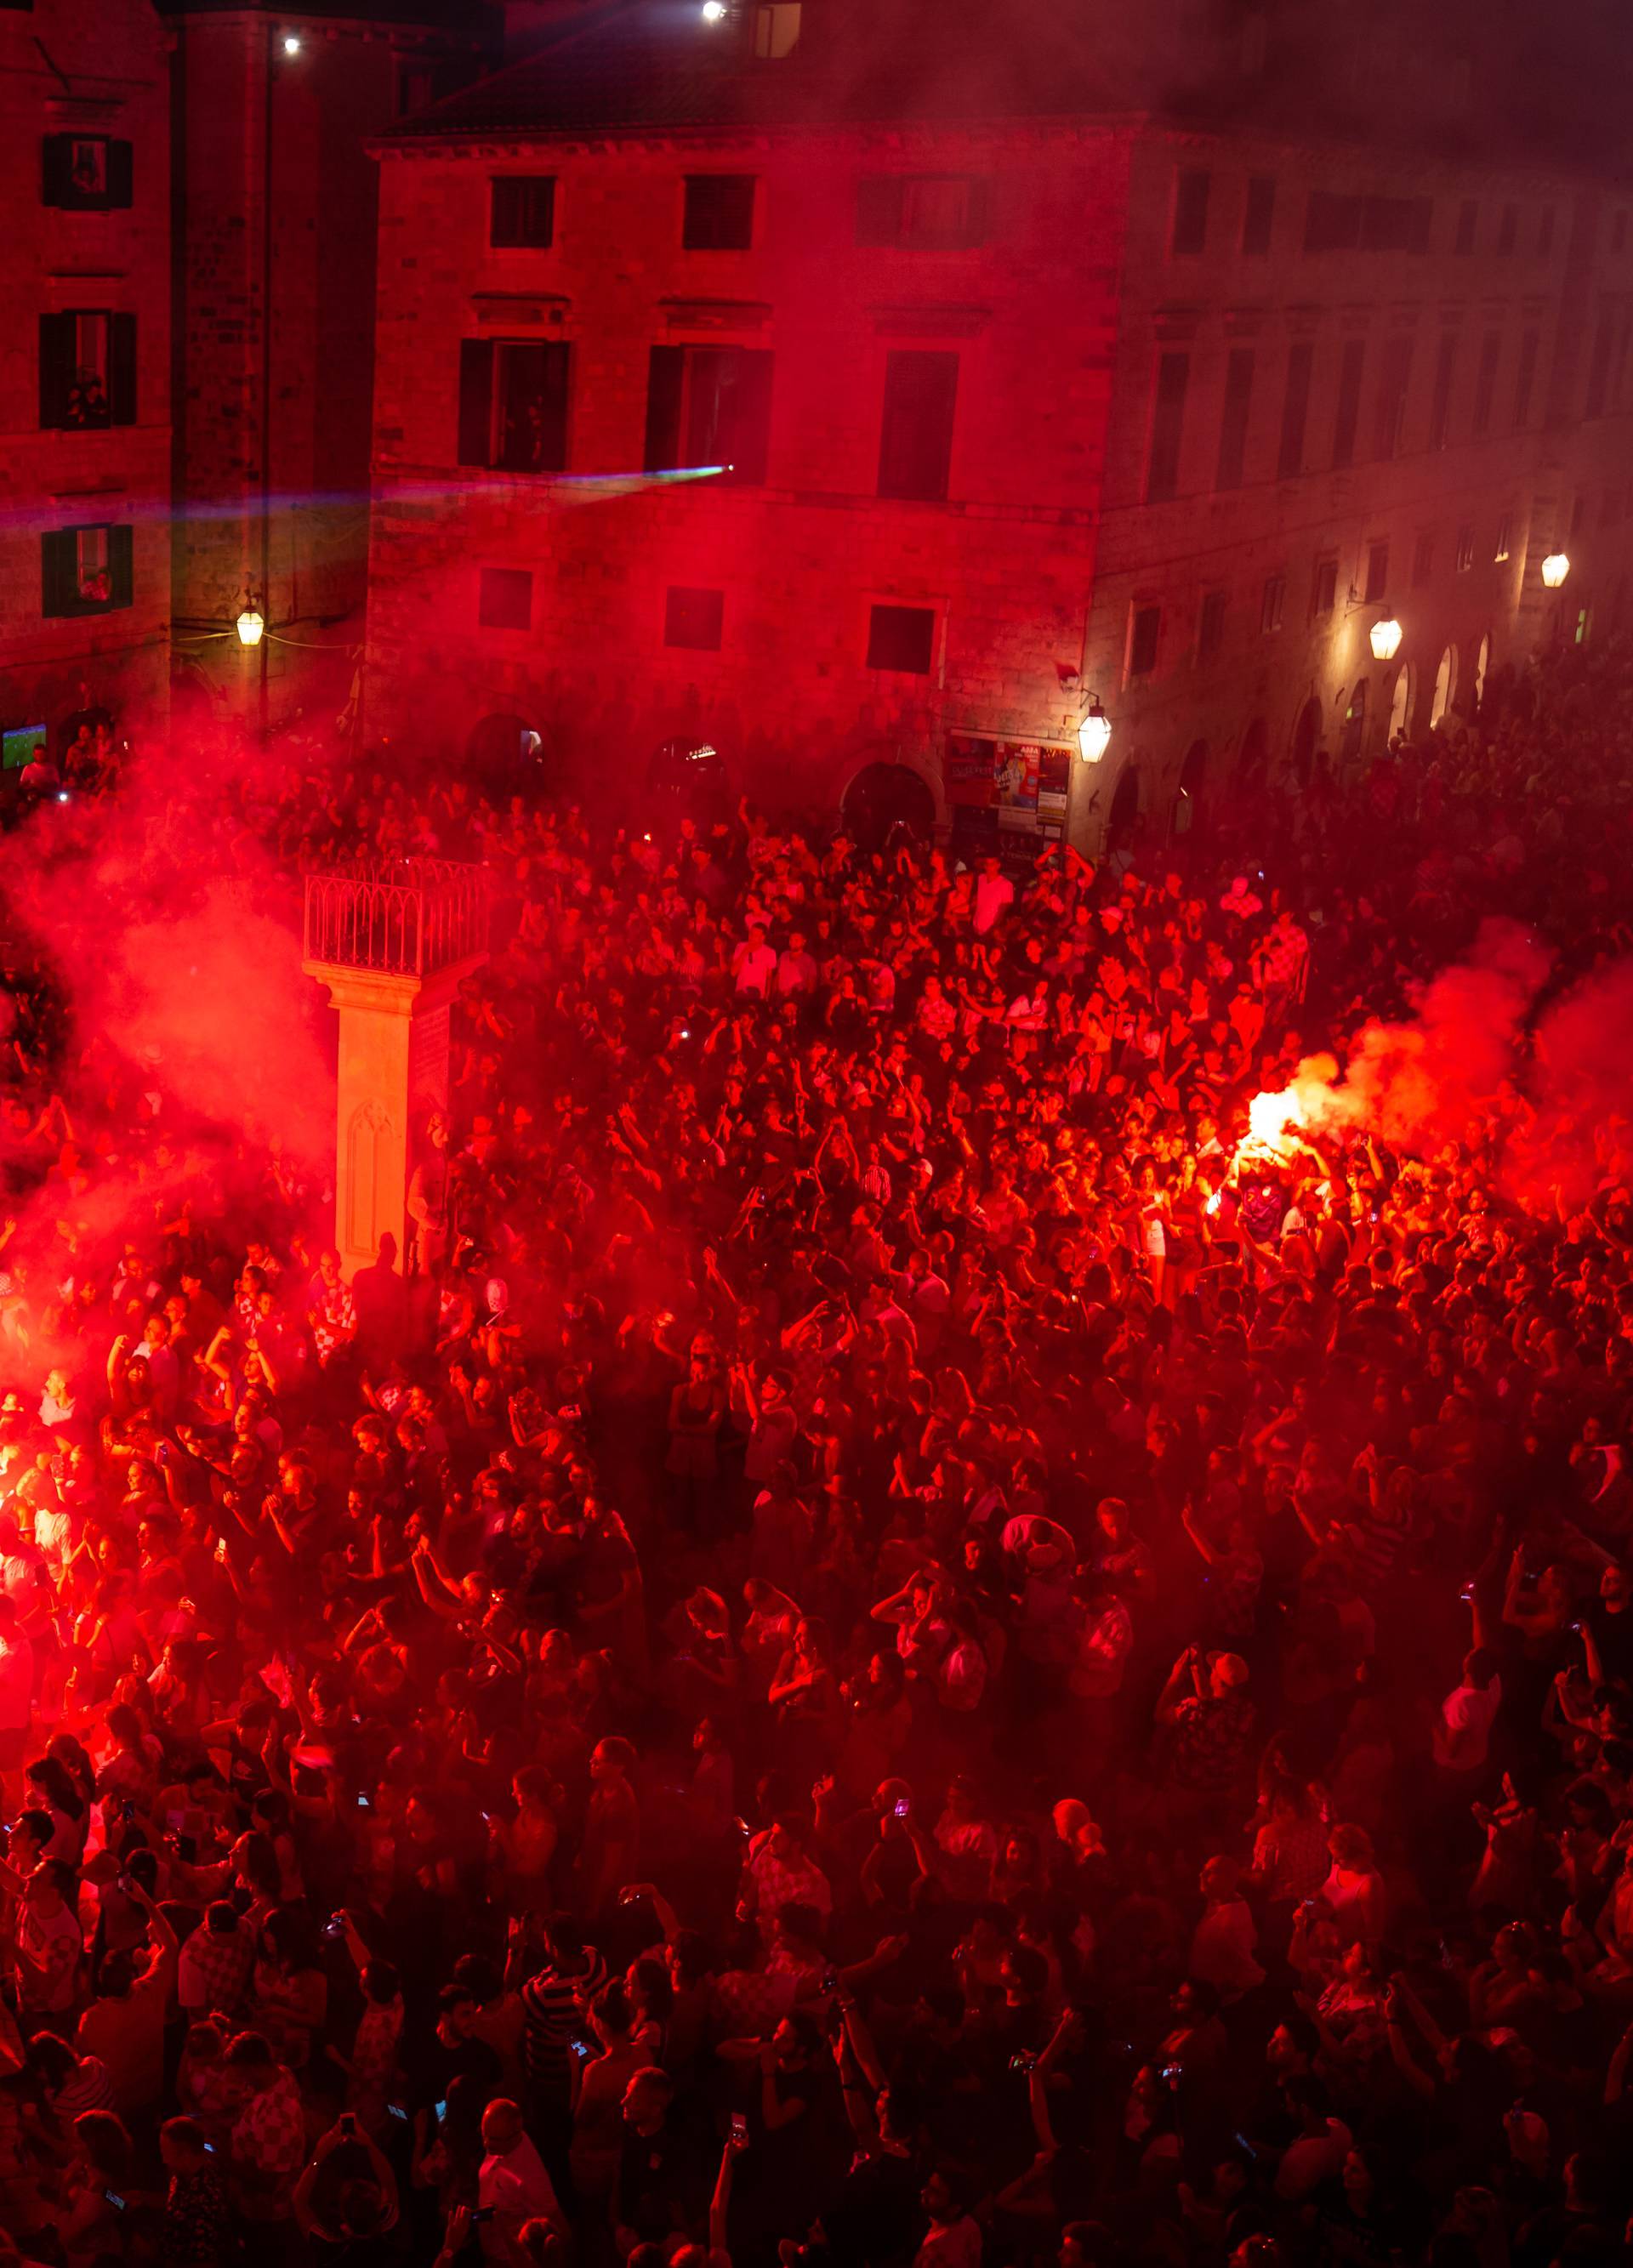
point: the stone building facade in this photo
(85, 362)
(725, 398)
(275, 247)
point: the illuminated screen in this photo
(17, 744)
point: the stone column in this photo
(391, 1077)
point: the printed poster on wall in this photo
(1022, 783)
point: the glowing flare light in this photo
(1269, 1116)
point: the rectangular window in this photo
(87, 370)
(1145, 631)
(923, 212)
(1599, 366)
(709, 406)
(1294, 412)
(1259, 216)
(1505, 538)
(1508, 231)
(1440, 408)
(86, 173)
(694, 619)
(718, 213)
(1467, 212)
(1190, 231)
(1423, 560)
(521, 212)
(1210, 626)
(1275, 600)
(1525, 378)
(1394, 376)
(1239, 397)
(85, 570)
(1162, 472)
(1545, 233)
(1347, 419)
(1377, 572)
(916, 437)
(1324, 590)
(505, 599)
(513, 404)
(901, 637)
(1465, 549)
(1485, 381)
(1331, 224)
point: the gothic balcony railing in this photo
(403, 917)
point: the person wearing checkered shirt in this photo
(269, 2143)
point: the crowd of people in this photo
(885, 1643)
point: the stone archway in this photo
(882, 796)
(1446, 687)
(1482, 663)
(503, 745)
(1124, 818)
(1188, 796)
(1354, 733)
(1306, 738)
(1400, 704)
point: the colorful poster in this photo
(1022, 782)
(1055, 780)
(971, 774)
(1016, 768)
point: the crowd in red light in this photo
(881, 1656)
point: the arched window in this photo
(1445, 686)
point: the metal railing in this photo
(404, 916)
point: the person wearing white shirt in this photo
(513, 2187)
(994, 893)
(1461, 1739)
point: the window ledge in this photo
(716, 314)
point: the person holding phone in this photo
(346, 2200)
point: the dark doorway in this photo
(1306, 732)
(1355, 722)
(883, 798)
(1125, 816)
(1187, 814)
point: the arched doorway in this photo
(1483, 662)
(1446, 687)
(1252, 756)
(1400, 704)
(883, 797)
(1187, 810)
(507, 753)
(1125, 814)
(1355, 722)
(1306, 732)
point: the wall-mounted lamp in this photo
(1094, 733)
(1385, 636)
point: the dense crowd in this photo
(883, 1645)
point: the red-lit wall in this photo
(1047, 546)
(96, 66)
(1007, 563)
